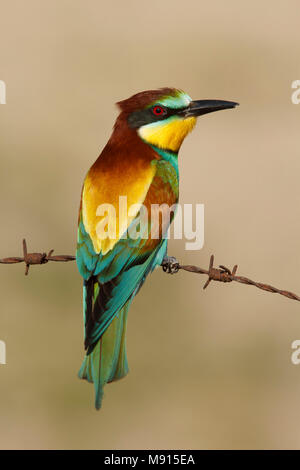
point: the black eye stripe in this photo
(147, 116)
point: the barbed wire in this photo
(35, 258)
(224, 274)
(170, 265)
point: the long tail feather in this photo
(108, 360)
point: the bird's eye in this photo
(158, 110)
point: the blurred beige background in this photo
(207, 369)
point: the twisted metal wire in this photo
(171, 265)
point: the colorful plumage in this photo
(139, 162)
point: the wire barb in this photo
(35, 258)
(220, 274)
(223, 274)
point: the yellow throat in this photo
(167, 134)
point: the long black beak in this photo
(199, 107)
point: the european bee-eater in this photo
(139, 162)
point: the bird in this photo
(139, 162)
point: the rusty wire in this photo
(35, 258)
(221, 274)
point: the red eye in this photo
(158, 110)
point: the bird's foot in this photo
(170, 265)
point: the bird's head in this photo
(164, 117)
